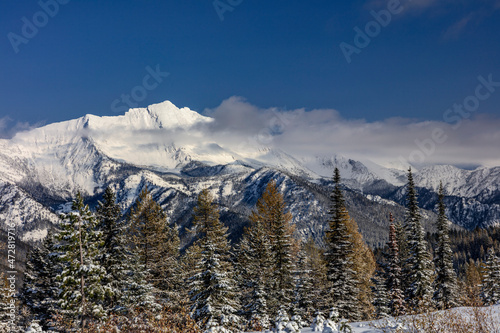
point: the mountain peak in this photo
(167, 115)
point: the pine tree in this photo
(341, 275)
(214, 299)
(393, 273)
(417, 269)
(189, 267)
(304, 293)
(254, 266)
(490, 288)
(39, 290)
(381, 300)
(80, 280)
(318, 266)
(157, 245)
(124, 282)
(276, 222)
(445, 283)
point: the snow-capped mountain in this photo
(170, 150)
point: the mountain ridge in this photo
(168, 149)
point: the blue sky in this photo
(283, 54)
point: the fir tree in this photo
(80, 280)
(156, 244)
(124, 282)
(304, 293)
(381, 300)
(445, 283)
(39, 290)
(214, 302)
(316, 259)
(276, 222)
(490, 288)
(189, 267)
(341, 275)
(417, 270)
(254, 266)
(393, 273)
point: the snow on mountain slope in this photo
(458, 182)
(358, 172)
(168, 147)
(31, 219)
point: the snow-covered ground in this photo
(458, 316)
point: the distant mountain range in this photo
(164, 147)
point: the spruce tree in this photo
(254, 267)
(78, 245)
(417, 269)
(445, 283)
(39, 290)
(157, 245)
(343, 286)
(275, 221)
(304, 304)
(316, 259)
(393, 273)
(124, 282)
(381, 300)
(213, 294)
(490, 288)
(189, 267)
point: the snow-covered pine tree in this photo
(276, 222)
(189, 266)
(213, 288)
(418, 265)
(445, 283)
(157, 246)
(381, 300)
(124, 283)
(343, 286)
(304, 281)
(39, 290)
(78, 245)
(316, 260)
(112, 254)
(490, 287)
(254, 267)
(393, 273)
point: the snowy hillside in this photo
(177, 152)
(468, 319)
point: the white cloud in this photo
(9, 128)
(239, 124)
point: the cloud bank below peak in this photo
(239, 125)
